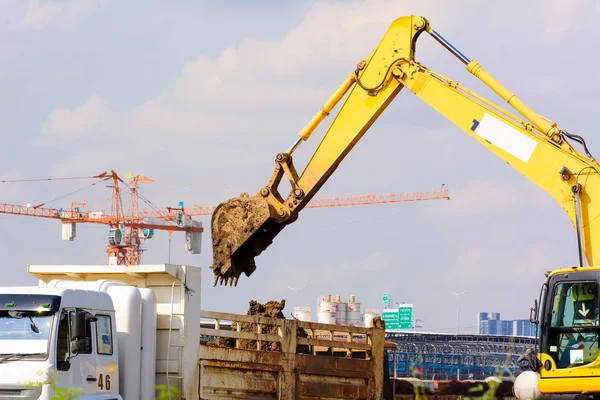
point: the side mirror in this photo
(533, 313)
(78, 326)
(63, 365)
(78, 345)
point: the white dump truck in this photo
(119, 332)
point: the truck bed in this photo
(332, 362)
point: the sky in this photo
(208, 92)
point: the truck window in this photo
(62, 353)
(104, 341)
(88, 335)
(25, 332)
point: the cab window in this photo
(104, 339)
(62, 353)
(574, 326)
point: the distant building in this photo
(491, 324)
(483, 322)
(522, 327)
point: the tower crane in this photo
(128, 230)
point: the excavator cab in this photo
(569, 329)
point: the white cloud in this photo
(91, 118)
(17, 15)
(265, 90)
(250, 84)
(564, 20)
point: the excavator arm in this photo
(243, 227)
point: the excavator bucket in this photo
(241, 229)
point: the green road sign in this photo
(405, 317)
(390, 317)
(385, 298)
(398, 318)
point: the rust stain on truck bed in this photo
(288, 374)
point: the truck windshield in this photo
(24, 332)
(574, 327)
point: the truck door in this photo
(76, 370)
(106, 365)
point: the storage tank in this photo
(302, 313)
(148, 346)
(368, 316)
(327, 317)
(341, 317)
(353, 314)
(327, 310)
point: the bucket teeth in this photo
(227, 280)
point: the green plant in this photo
(71, 393)
(58, 393)
(167, 392)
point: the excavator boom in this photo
(243, 227)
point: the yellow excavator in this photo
(566, 361)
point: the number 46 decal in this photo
(104, 382)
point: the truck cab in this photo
(57, 337)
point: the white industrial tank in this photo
(302, 313)
(368, 316)
(353, 314)
(148, 358)
(327, 317)
(327, 310)
(341, 313)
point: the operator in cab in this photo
(575, 310)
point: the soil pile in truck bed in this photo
(271, 309)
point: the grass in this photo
(164, 392)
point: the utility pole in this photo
(458, 308)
